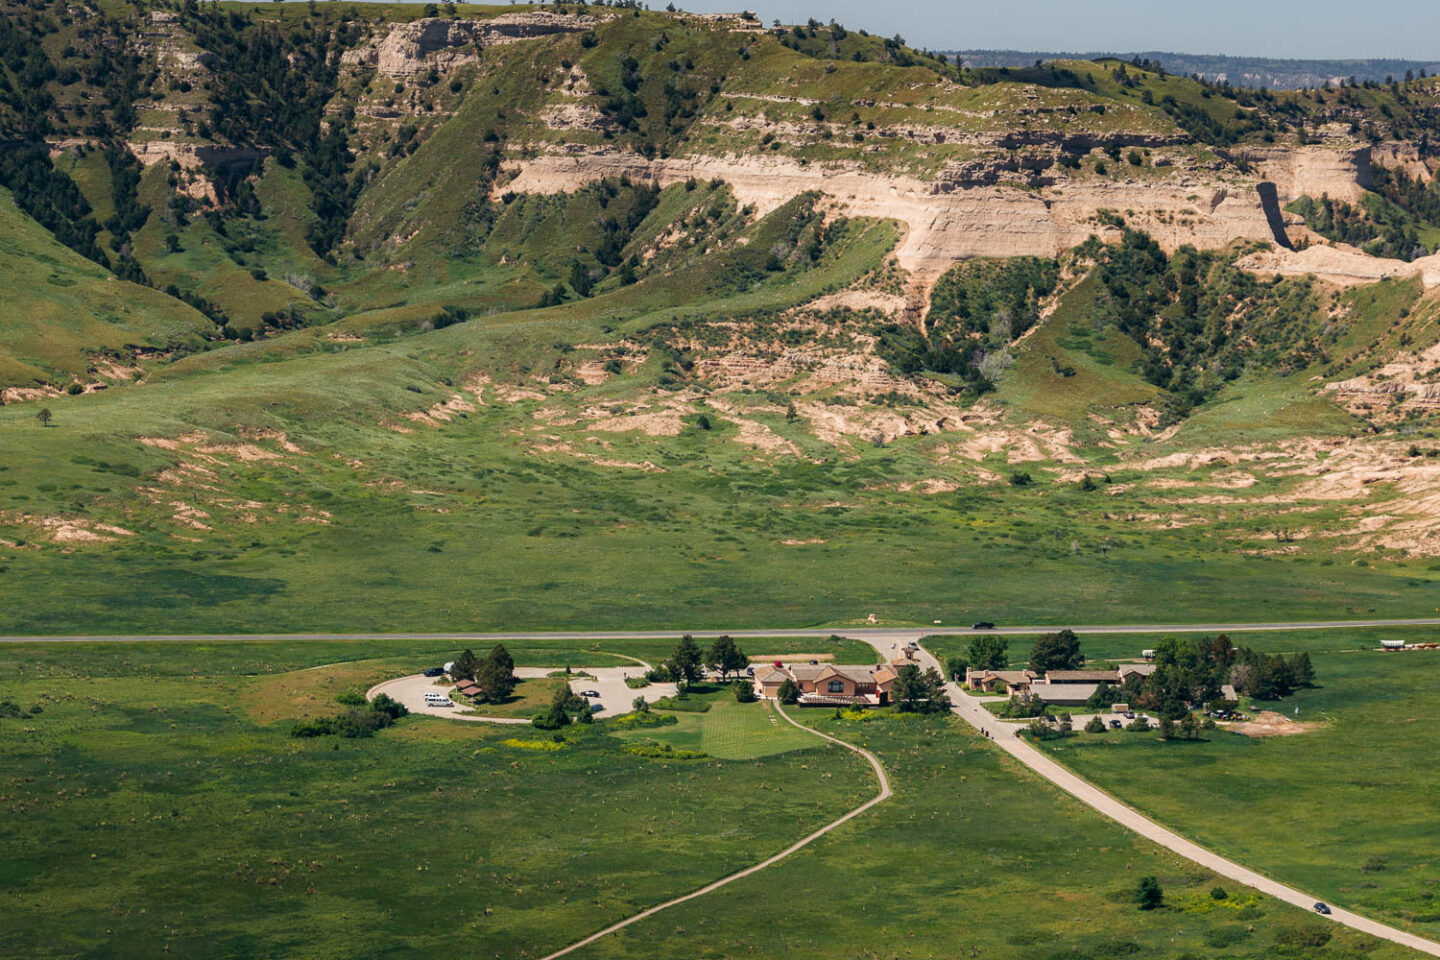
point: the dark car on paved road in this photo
(435, 672)
(982, 625)
(1322, 909)
(589, 693)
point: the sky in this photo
(1314, 29)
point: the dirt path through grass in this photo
(880, 797)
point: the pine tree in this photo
(686, 660)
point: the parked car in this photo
(1115, 724)
(590, 693)
(435, 672)
(442, 702)
(749, 671)
(1322, 909)
(814, 663)
(983, 625)
(1129, 714)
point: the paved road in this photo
(880, 797)
(870, 634)
(1004, 734)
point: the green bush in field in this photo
(1148, 893)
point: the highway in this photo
(869, 634)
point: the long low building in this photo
(1060, 687)
(829, 684)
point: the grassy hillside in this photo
(61, 313)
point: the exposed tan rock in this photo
(410, 48)
(943, 224)
(1341, 264)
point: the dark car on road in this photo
(1322, 909)
(590, 693)
(982, 625)
(435, 672)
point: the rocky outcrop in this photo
(1313, 171)
(943, 225)
(194, 156)
(1342, 265)
(410, 48)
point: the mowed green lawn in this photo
(148, 811)
(731, 730)
(1346, 811)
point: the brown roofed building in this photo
(829, 684)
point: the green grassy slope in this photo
(59, 309)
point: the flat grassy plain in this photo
(976, 857)
(149, 809)
(1344, 810)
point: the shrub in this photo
(1148, 893)
(1219, 893)
(1095, 725)
(661, 751)
(558, 743)
(1308, 938)
(551, 718)
(637, 683)
(744, 691)
(351, 698)
(682, 706)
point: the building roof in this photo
(1010, 676)
(810, 673)
(1065, 692)
(1141, 669)
(884, 675)
(771, 674)
(1081, 676)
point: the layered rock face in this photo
(945, 222)
(1312, 171)
(407, 49)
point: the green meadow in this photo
(1339, 809)
(157, 804)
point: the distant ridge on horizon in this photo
(1277, 73)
